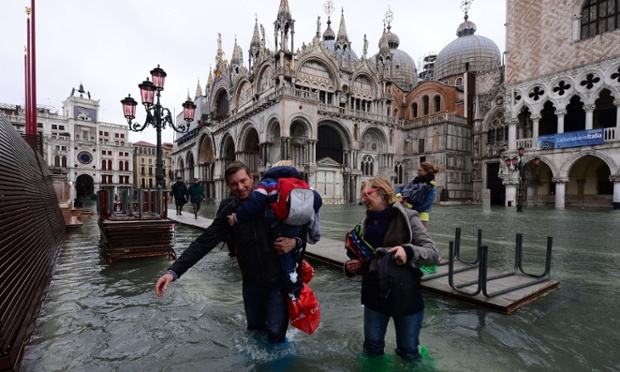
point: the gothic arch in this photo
(206, 150)
(220, 106)
(373, 140)
(333, 139)
(330, 68)
(566, 167)
(301, 119)
(243, 93)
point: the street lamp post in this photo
(516, 165)
(156, 115)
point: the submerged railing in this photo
(133, 204)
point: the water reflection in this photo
(101, 318)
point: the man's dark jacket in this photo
(178, 190)
(252, 241)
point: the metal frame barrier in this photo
(481, 262)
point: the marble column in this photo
(560, 191)
(536, 125)
(511, 192)
(560, 114)
(512, 134)
(617, 104)
(589, 109)
(616, 198)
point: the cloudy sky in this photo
(111, 45)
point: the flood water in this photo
(102, 318)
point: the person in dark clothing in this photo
(178, 191)
(258, 203)
(265, 301)
(196, 194)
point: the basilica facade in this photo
(343, 118)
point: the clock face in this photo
(85, 157)
(83, 113)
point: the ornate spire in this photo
(198, 90)
(255, 43)
(284, 28)
(284, 11)
(342, 31)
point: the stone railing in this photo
(347, 112)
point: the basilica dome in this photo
(468, 52)
(404, 73)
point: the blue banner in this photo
(571, 139)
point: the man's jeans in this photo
(407, 333)
(266, 309)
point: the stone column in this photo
(512, 134)
(560, 114)
(617, 104)
(536, 124)
(511, 192)
(589, 109)
(616, 198)
(560, 191)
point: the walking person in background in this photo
(390, 242)
(424, 184)
(264, 299)
(178, 191)
(196, 195)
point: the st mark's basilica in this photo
(344, 116)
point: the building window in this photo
(437, 100)
(368, 165)
(459, 82)
(421, 145)
(599, 16)
(398, 169)
(54, 127)
(425, 105)
(39, 125)
(414, 110)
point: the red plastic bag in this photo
(306, 271)
(305, 312)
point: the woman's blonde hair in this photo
(385, 189)
(285, 163)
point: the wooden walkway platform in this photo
(332, 252)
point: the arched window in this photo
(598, 16)
(437, 100)
(57, 161)
(64, 162)
(414, 110)
(110, 164)
(398, 169)
(368, 165)
(126, 165)
(425, 105)
(459, 82)
(104, 165)
(120, 165)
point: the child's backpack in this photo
(416, 193)
(295, 204)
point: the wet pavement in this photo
(102, 318)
